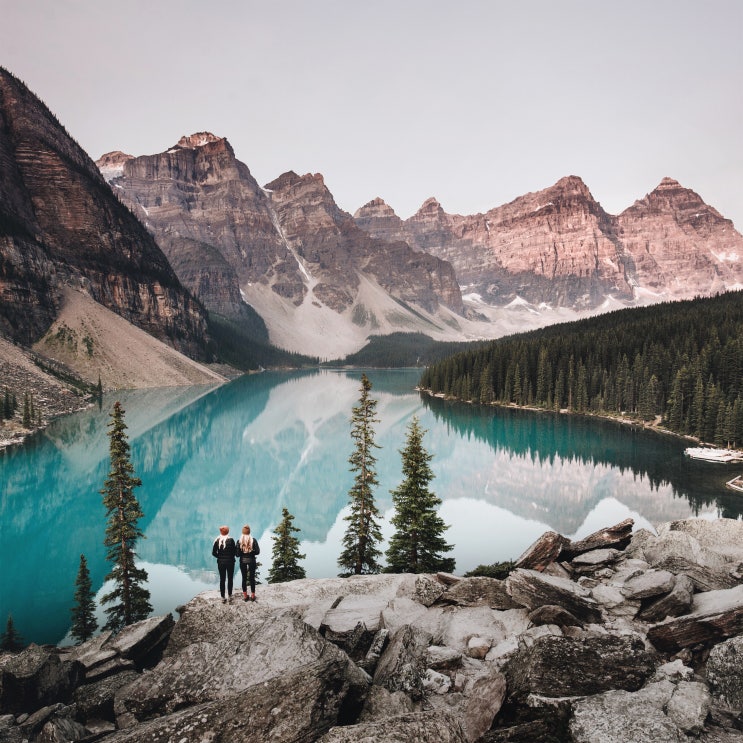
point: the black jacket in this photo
(247, 556)
(226, 553)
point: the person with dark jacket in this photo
(247, 550)
(224, 550)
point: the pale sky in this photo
(474, 102)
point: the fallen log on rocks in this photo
(617, 536)
(543, 552)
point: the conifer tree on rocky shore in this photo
(10, 639)
(286, 555)
(84, 623)
(418, 543)
(129, 599)
(362, 536)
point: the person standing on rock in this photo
(224, 550)
(247, 550)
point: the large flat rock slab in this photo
(723, 536)
(479, 591)
(300, 705)
(532, 589)
(203, 664)
(413, 727)
(35, 677)
(554, 666)
(715, 615)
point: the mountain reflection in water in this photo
(239, 453)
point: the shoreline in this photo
(646, 425)
(428, 657)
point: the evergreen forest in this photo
(675, 363)
(399, 350)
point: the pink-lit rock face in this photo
(679, 244)
(559, 246)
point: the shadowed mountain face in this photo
(60, 224)
(558, 245)
(211, 218)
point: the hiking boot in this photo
(245, 596)
(224, 600)
(252, 597)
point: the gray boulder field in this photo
(619, 637)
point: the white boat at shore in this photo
(736, 483)
(707, 454)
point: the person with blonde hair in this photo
(247, 550)
(224, 550)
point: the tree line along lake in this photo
(238, 453)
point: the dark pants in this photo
(245, 568)
(226, 570)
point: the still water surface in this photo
(239, 453)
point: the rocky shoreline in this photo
(620, 637)
(21, 371)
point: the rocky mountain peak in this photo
(285, 180)
(671, 197)
(569, 192)
(111, 164)
(669, 183)
(198, 139)
(379, 219)
(573, 183)
(377, 207)
(680, 245)
(430, 207)
(113, 159)
(289, 180)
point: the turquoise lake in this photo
(238, 453)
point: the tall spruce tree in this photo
(26, 420)
(130, 600)
(286, 555)
(362, 535)
(10, 639)
(418, 543)
(84, 623)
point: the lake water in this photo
(239, 453)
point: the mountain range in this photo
(324, 280)
(168, 240)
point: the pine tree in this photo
(286, 554)
(131, 601)
(84, 623)
(26, 420)
(418, 541)
(362, 535)
(10, 639)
